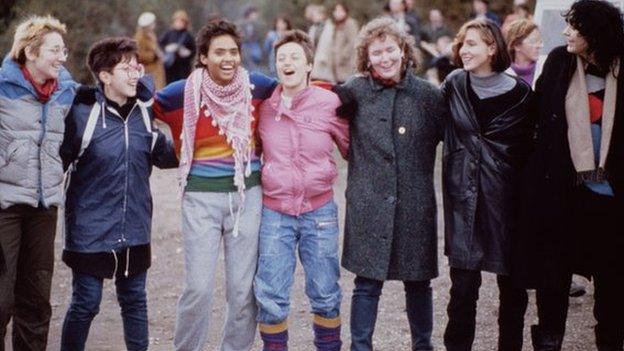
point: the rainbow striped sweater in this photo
(213, 165)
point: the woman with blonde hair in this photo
(149, 52)
(36, 93)
(396, 120)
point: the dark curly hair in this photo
(601, 25)
(213, 29)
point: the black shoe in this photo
(576, 289)
(545, 342)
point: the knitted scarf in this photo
(230, 108)
(579, 129)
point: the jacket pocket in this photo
(14, 162)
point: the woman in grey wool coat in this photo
(396, 122)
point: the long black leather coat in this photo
(481, 171)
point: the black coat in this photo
(390, 226)
(547, 228)
(481, 173)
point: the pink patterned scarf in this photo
(231, 110)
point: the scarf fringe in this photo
(597, 175)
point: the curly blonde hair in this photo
(30, 33)
(381, 28)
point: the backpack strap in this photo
(147, 120)
(89, 129)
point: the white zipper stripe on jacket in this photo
(126, 142)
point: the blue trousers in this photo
(85, 305)
(316, 234)
(364, 303)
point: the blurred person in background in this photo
(316, 14)
(334, 61)
(481, 10)
(521, 10)
(253, 37)
(407, 21)
(524, 43)
(149, 53)
(36, 92)
(178, 45)
(441, 64)
(435, 28)
(281, 24)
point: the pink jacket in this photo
(299, 170)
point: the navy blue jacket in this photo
(108, 201)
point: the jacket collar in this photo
(406, 81)
(276, 98)
(11, 73)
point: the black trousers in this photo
(598, 249)
(462, 311)
(27, 244)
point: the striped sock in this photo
(274, 336)
(327, 333)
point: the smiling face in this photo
(292, 67)
(47, 62)
(222, 59)
(386, 58)
(530, 47)
(476, 55)
(121, 82)
(576, 43)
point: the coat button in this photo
(278, 117)
(390, 199)
(401, 130)
(473, 188)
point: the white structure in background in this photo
(548, 16)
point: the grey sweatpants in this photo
(208, 218)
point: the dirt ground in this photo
(165, 281)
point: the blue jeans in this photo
(316, 232)
(85, 305)
(418, 302)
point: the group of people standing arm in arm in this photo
(531, 183)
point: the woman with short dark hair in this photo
(110, 147)
(485, 147)
(575, 178)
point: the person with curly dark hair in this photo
(574, 181)
(215, 111)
